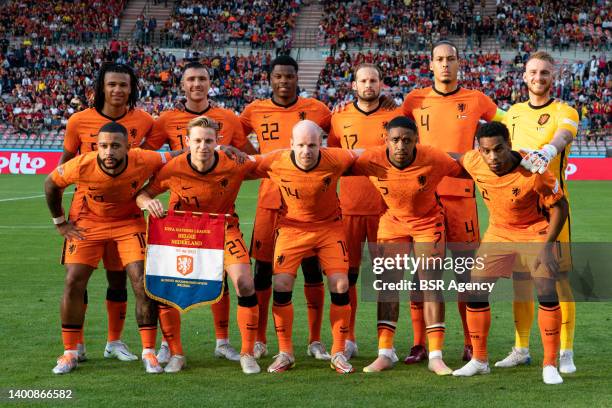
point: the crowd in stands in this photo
(74, 22)
(415, 24)
(259, 24)
(585, 85)
(529, 24)
(40, 87)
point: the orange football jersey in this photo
(355, 129)
(409, 193)
(214, 191)
(82, 129)
(109, 197)
(171, 127)
(449, 122)
(308, 197)
(273, 123)
(514, 200)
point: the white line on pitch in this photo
(26, 198)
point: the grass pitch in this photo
(32, 282)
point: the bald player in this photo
(544, 129)
(115, 97)
(309, 222)
(447, 116)
(360, 125)
(107, 215)
(272, 121)
(171, 128)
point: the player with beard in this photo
(544, 129)
(358, 126)
(272, 120)
(116, 94)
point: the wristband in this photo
(550, 150)
(218, 147)
(59, 220)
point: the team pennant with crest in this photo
(184, 259)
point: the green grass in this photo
(32, 282)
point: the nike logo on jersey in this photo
(187, 188)
(266, 116)
(347, 126)
(285, 181)
(425, 107)
(92, 188)
(180, 127)
(515, 117)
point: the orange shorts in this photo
(461, 218)
(358, 229)
(327, 242)
(110, 259)
(264, 230)
(504, 251)
(127, 236)
(235, 248)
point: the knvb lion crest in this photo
(133, 133)
(543, 119)
(516, 191)
(461, 107)
(302, 115)
(184, 264)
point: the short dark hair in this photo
(284, 60)
(194, 65)
(121, 69)
(114, 127)
(370, 66)
(403, 122)
(493, 129)
(444, 42)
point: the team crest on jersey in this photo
(134, 184)
(384, 124)
(224, 183)
(184, 264)
(516, 191)
(258, 244)
(302, 115)
(326, 182)
(461, 107)
(133, 133)
(280, 259)
(543, 119)
(72, 248)
(422, 179)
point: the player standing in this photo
(360, 125)
(171, 128)
(204, 180)
(115, 97)
(544, 128)
(447, 116)
(272, 120)
(107, 215)
(515, 198)
(309, 222)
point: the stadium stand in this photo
(70, 22)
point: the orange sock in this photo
(435, 336)
(549, 320)
(70, 335)
(82, 332)
(315, 301)
(340, 317)
(282, 311)
(466, 332)
(116, 319)
(148, 335)
(170, 321)
(418, 323)
(353, 299)
(116, 307)
(220, 312)
(263, 303)
(247, 316)
(479, 322)
(386, 334)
